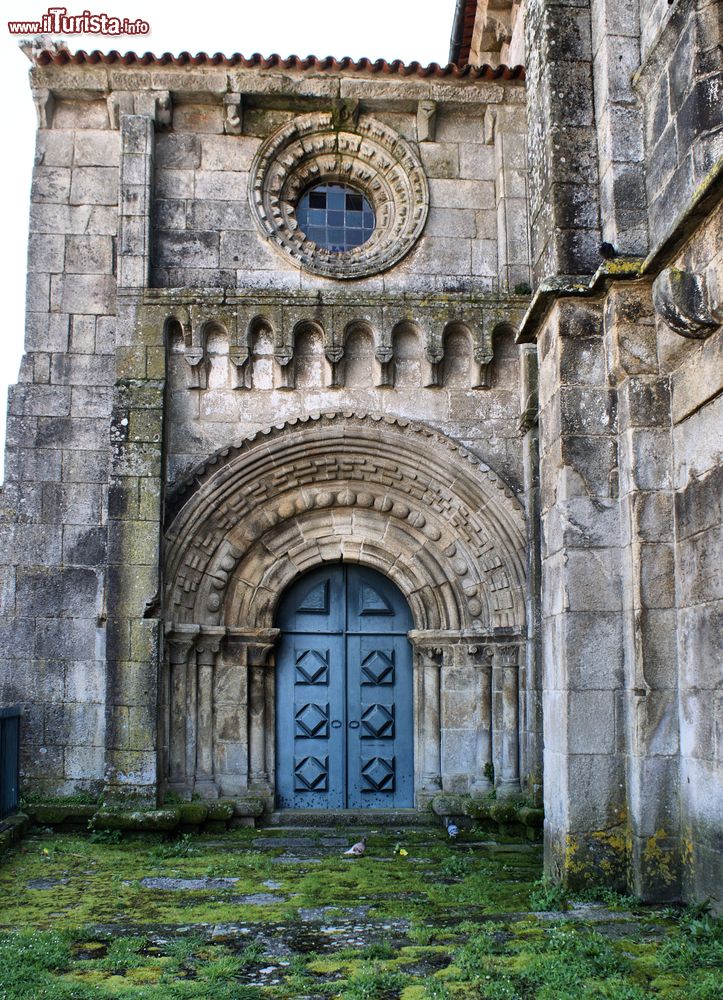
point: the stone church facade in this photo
(365, 452)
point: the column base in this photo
(206, 788)
(480, 787)
(508, 789)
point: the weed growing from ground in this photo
(180, 848)
(548, 896)
(370, 983)
(699, 945)
(456, 866)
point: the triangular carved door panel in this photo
(344, 715)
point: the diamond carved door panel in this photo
(344, 712)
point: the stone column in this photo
(136, 183)
(505, 720)
(513, 243)
(649, 704)
(482, 781)
(430, 661)
(208, 645)
(136, 476)
(179, 643)
(258, 657)
(231, 732)
(530, 675)
(582, 637)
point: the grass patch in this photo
(80, 923)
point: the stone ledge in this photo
(506, 815)
(214, 816)
(12, 830)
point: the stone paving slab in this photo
(297, 919)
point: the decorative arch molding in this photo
(387, 493)
(340, 146)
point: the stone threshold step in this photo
(350, 818)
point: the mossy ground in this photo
(79, 919)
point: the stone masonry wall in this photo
(139, 185)
(680, 85)
(562, 140)
(55, 503)
(696, 379)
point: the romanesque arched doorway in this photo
(388, 497)
(344, 693)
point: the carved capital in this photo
(209, 642)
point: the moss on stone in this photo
(193, 813)
(53, 814)
(220, 811)
(249, 806)
(150, 820)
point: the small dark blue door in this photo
(344, 699)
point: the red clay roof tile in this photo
(63, 56)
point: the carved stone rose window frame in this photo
(365, 154)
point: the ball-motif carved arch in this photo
(386, 493)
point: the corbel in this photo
(197, 374)
(482, 354)
(334, 354)
(240, 362)
(233, 114)
(44, 106)
(683, 300)
(345, 113)
(434, 355)
(426, 121)
(283, 359)
(384, 356)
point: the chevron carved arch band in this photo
(386, 493)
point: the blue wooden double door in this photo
(344, 698)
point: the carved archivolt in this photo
(390, 494)
(366, 154)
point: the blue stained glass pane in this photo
(335, 216)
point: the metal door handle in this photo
(335, 724)
(354, 725)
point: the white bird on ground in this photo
(452, 830)
(357, 850)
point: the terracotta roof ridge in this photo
(62, 55)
